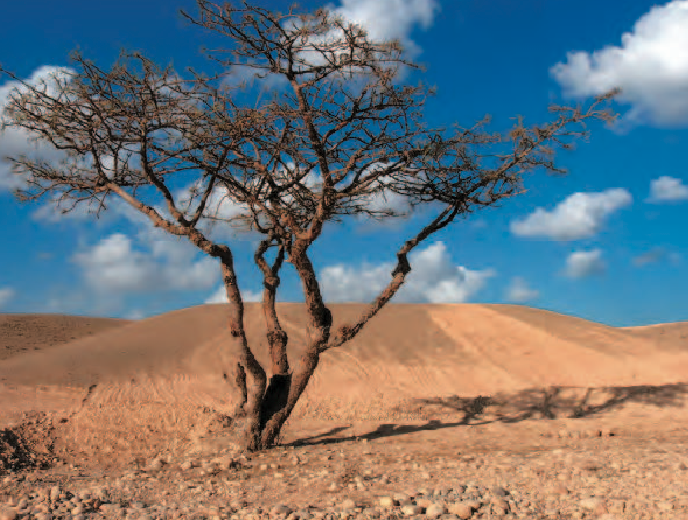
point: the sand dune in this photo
(497, 346)
(163, 369)
(27, 332)
(671, 337)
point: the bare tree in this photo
(364, 144)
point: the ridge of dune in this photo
(149, 344)
(164, 370)
(669, 337)
(502, 345)
(559, 351)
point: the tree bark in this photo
(246, 358)
(275, 397)
(320, 321)
(241, 383)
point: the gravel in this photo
(368, 481)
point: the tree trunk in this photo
(320, 321)
(276, 397)
(240, 410)
(246, 358)
(273, 426)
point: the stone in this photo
(388, 502)
(435, 510)
(462, 509)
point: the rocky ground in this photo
(585, 469)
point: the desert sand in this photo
(408, 362)
(132, 390)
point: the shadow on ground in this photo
(529, 404)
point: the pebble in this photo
(603, 482)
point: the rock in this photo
(435, 510)
(462, 509)
(409, 510)
(281, 510)
(155, 464)
(388, 502)
(499, 491)
(500, 504)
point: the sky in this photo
(607, 242)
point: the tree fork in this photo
(320, 323)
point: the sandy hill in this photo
(157, 370)
(27, 332)
(498, 346)
(665, 336)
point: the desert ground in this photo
(107, 396)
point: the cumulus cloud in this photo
(578, 216)
(220, 296)
(580, 264)
(222, 205)
(6, 294)
(113, 265)
(519, 292)
(433, 279)
(667, 189)
(651, 67)
(15, 141)
(384, 20)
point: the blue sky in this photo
(606, 243)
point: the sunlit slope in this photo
(664, 336)
(408, 350)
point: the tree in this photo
(366, 144)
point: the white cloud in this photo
(383, 200)
(384, 20)
(584, 263)
(220, 296)
(433, 279)
(651, 67)
(519, 292)
(113, 265)
(6, 294)
(223, 206)
(388, 19)
(578, 216)
(667, 189)
(15, 141)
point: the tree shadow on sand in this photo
(528, 404)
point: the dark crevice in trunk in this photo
(275, 398)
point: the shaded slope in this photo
(165, 374)
(464, 348)
(20, 333)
